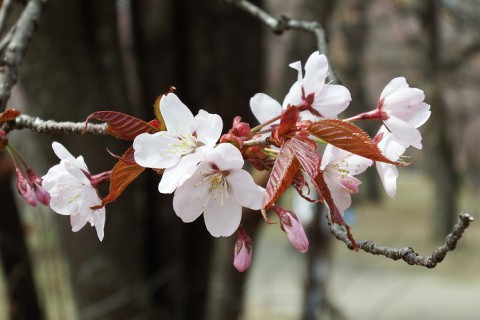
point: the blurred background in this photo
(120, 55)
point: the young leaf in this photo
(121, 125)
(348, 137)
(307, 156)
(158, 114)
(123, 173)
(283, 171)
(9, 115)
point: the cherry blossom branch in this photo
(49, 126)
(407, 254)
(17, 46)
(278, 26)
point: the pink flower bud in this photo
(243, 250)
(3, 140)
(36, 182)
(293, 228)
(25, 189)
(241, 129)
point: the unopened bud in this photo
(3, 140)
(25, 189)
(243, 250)
(36, 182)
(292, 226)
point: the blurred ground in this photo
(363, 286)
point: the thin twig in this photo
(407, 254)
(280, 25)
(4, 11)
(49, 126)
(16, 48)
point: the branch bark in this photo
(407, 254)
(278, 26)
(50, 126)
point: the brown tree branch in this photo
(49, 126)
(407, 254)
(278, 26)
(17, 46)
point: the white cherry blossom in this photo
(326, 99)
(179, 149)
(72, 193)
(339, 167)
(218, 188)
(403, 110)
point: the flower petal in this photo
(159, 150)
(394, 85)
(222, 216)
(294, 95)
(99, 222)
(190, 198)
(264, 107)
(404, 132)
(316, 69)
(175, 176)
(178, 118)
(77, 221)
(246, 192)
(208, 127)
(226, 157)
(388, 174)
(331, 100)
(61, 152)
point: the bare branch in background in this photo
(407, 254)
(17, 46)
(4, 11)
(464, 56)
(283, 24)
(49, 126)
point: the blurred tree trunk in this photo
(354, 28)
(23, 302)
(440, 151)
(195, 47)
(72, 69)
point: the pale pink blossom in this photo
(72, 193)
(310, 92)
(179, 149)
(218, 188)
(403, 110)
(292, 226)
(339, 167)
(243, 250)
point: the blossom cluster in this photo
(300, 141)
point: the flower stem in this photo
(257, 128)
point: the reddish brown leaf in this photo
(283, 171)
(288, 120)
(9, 115)
(308, 157)
(121, 125)
(123, 173)
(348, 137)
(335, 215)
